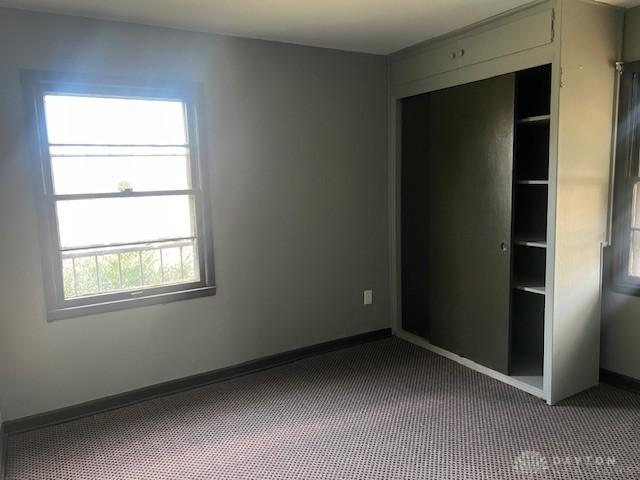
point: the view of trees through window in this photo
(114, 269)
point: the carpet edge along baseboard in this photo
(93, 407)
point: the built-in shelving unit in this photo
(529, 236)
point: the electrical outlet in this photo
(368, 297)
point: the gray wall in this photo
(297, 138)
(621, 313)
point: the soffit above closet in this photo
(372, 26)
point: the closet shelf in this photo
(531, 243)
(532, 182)
(531, 288)
(534, 120)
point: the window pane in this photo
(86, 275)
(109, 272)
(104, 151)
(189, 266)
(117, 174)
(130, 267)
(124, 121)
(123, 220)
(634, 254)
(171, 264)
(151, 267)
(112, 269)
(636, 207)
(68, 280)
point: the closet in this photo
(499, 162)
(474, 214)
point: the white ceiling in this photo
(374, 26)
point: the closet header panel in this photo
(530, 32)
(518, 32)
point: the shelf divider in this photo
(532, 182)
(535, 119)
(537, 289)
(531, 243)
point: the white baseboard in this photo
(514, 382)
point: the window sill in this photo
(106, 307)
(623, 289)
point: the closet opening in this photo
(529, 237)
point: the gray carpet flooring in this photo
(384, 410)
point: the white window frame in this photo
(36, 86)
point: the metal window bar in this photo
(125, 194)
(144, 245)
(98, 283)
(120, 270)
(128, 145)
(75, 276)
(119, 150)
(141, 269)
(161, 266)
(140, 283)
(109, 155)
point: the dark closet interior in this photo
(530, 206)
(474, 190)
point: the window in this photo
(123, 201)
(626, 253)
